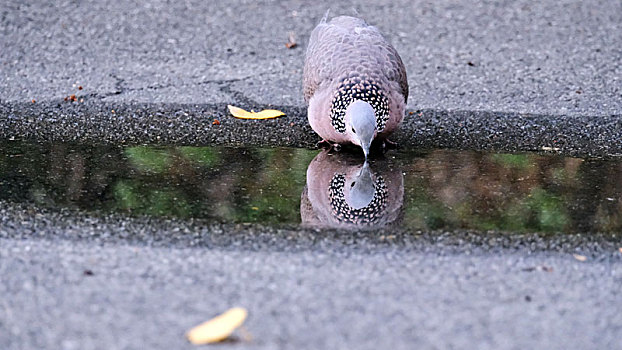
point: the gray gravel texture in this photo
(172, 124)
(511, 76)
(86, 282)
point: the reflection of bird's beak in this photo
(365, 168)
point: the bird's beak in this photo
(365, 145)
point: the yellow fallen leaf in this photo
(218, 328)
(620, 249)
(265, 114)
(579, 257)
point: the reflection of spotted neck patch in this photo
(352, 89)
(363, 216)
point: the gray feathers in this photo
(349, 60)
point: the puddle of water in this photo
(433, 190)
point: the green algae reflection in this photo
(231, 185)
(442, 189)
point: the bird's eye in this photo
(354, 131)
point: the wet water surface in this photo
(431, 190)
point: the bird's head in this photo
(360, 122)
(359, 190)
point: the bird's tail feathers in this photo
(325, 18)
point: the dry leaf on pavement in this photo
(292, 41)
(218, 328)
(265, 114)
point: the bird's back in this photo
(347, 59)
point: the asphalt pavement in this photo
(82, 282)
(510, 76)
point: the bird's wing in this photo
(336, 49)
(389, 62)
(397, 66)
(315, 69)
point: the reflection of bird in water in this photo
(341, 192)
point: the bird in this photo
(342, 193)
(354, 83)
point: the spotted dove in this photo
(340, 192)
(354, 83)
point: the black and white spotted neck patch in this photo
(353, 89)
(363, 216)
